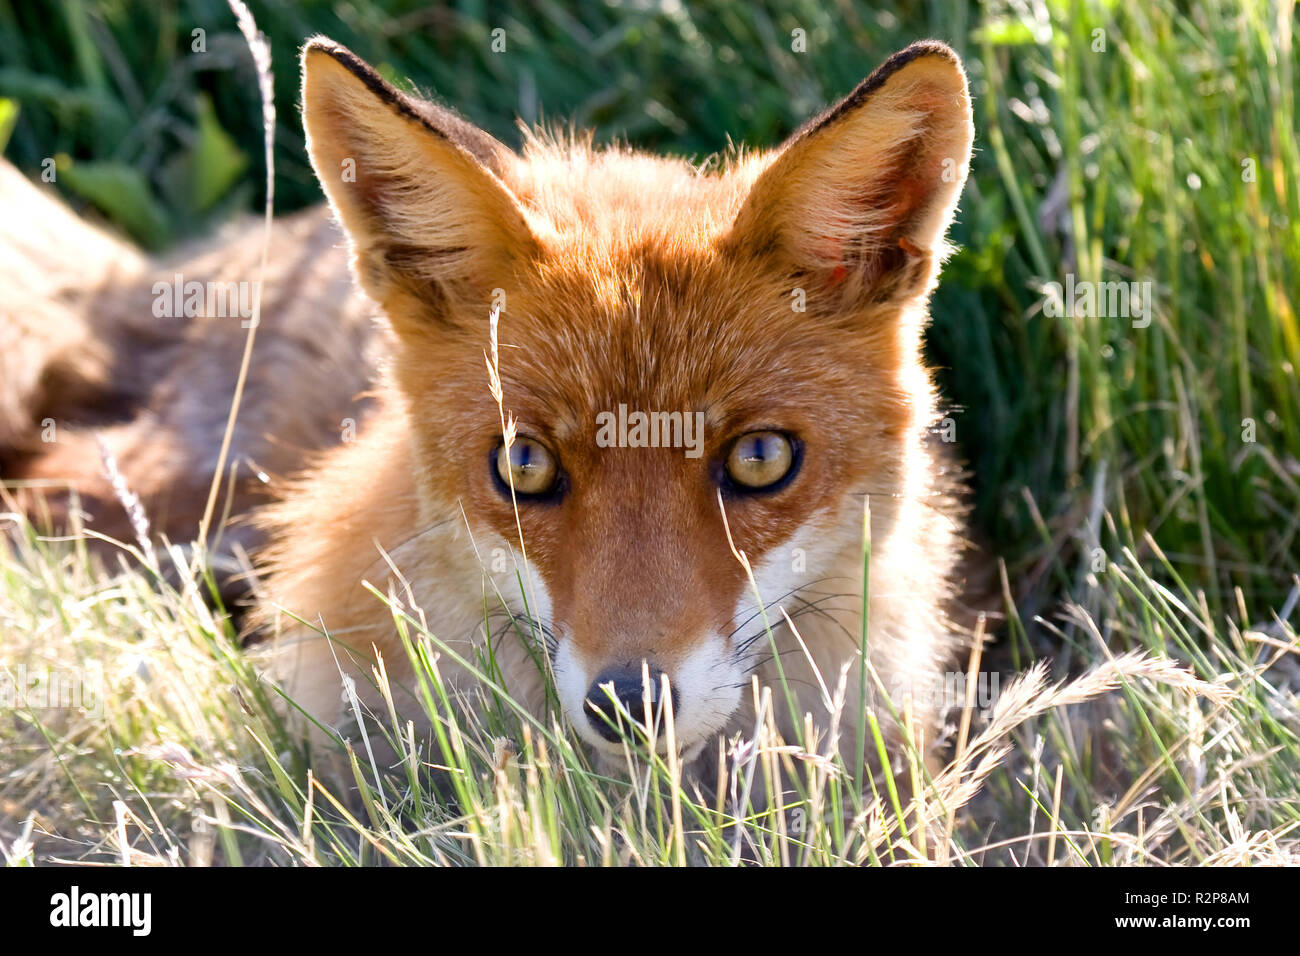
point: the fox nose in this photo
(625, 683)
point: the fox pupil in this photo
(758, 451)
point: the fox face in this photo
(704, 376)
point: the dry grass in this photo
(1152, 755)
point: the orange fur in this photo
(621, 278)
(638, 280)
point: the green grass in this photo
(1161, 752)
(1141, 485)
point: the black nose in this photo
(626, 689)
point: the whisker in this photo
(769, 604)
(393, 551)
(809, 606)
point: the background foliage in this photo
(1114, 142)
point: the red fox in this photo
(602, 378)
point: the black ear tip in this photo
(920, 50)
(931, 48)
(322, 44)
(335, 51)
(359, 68)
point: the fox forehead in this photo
(668, 323)
(738, 361)
(596, 202)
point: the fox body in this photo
(544, 316)
(89, 371)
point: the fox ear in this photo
(858, 200)
(418, 190)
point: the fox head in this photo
(700, 364)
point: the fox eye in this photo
(528, 467)
(760, 460)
